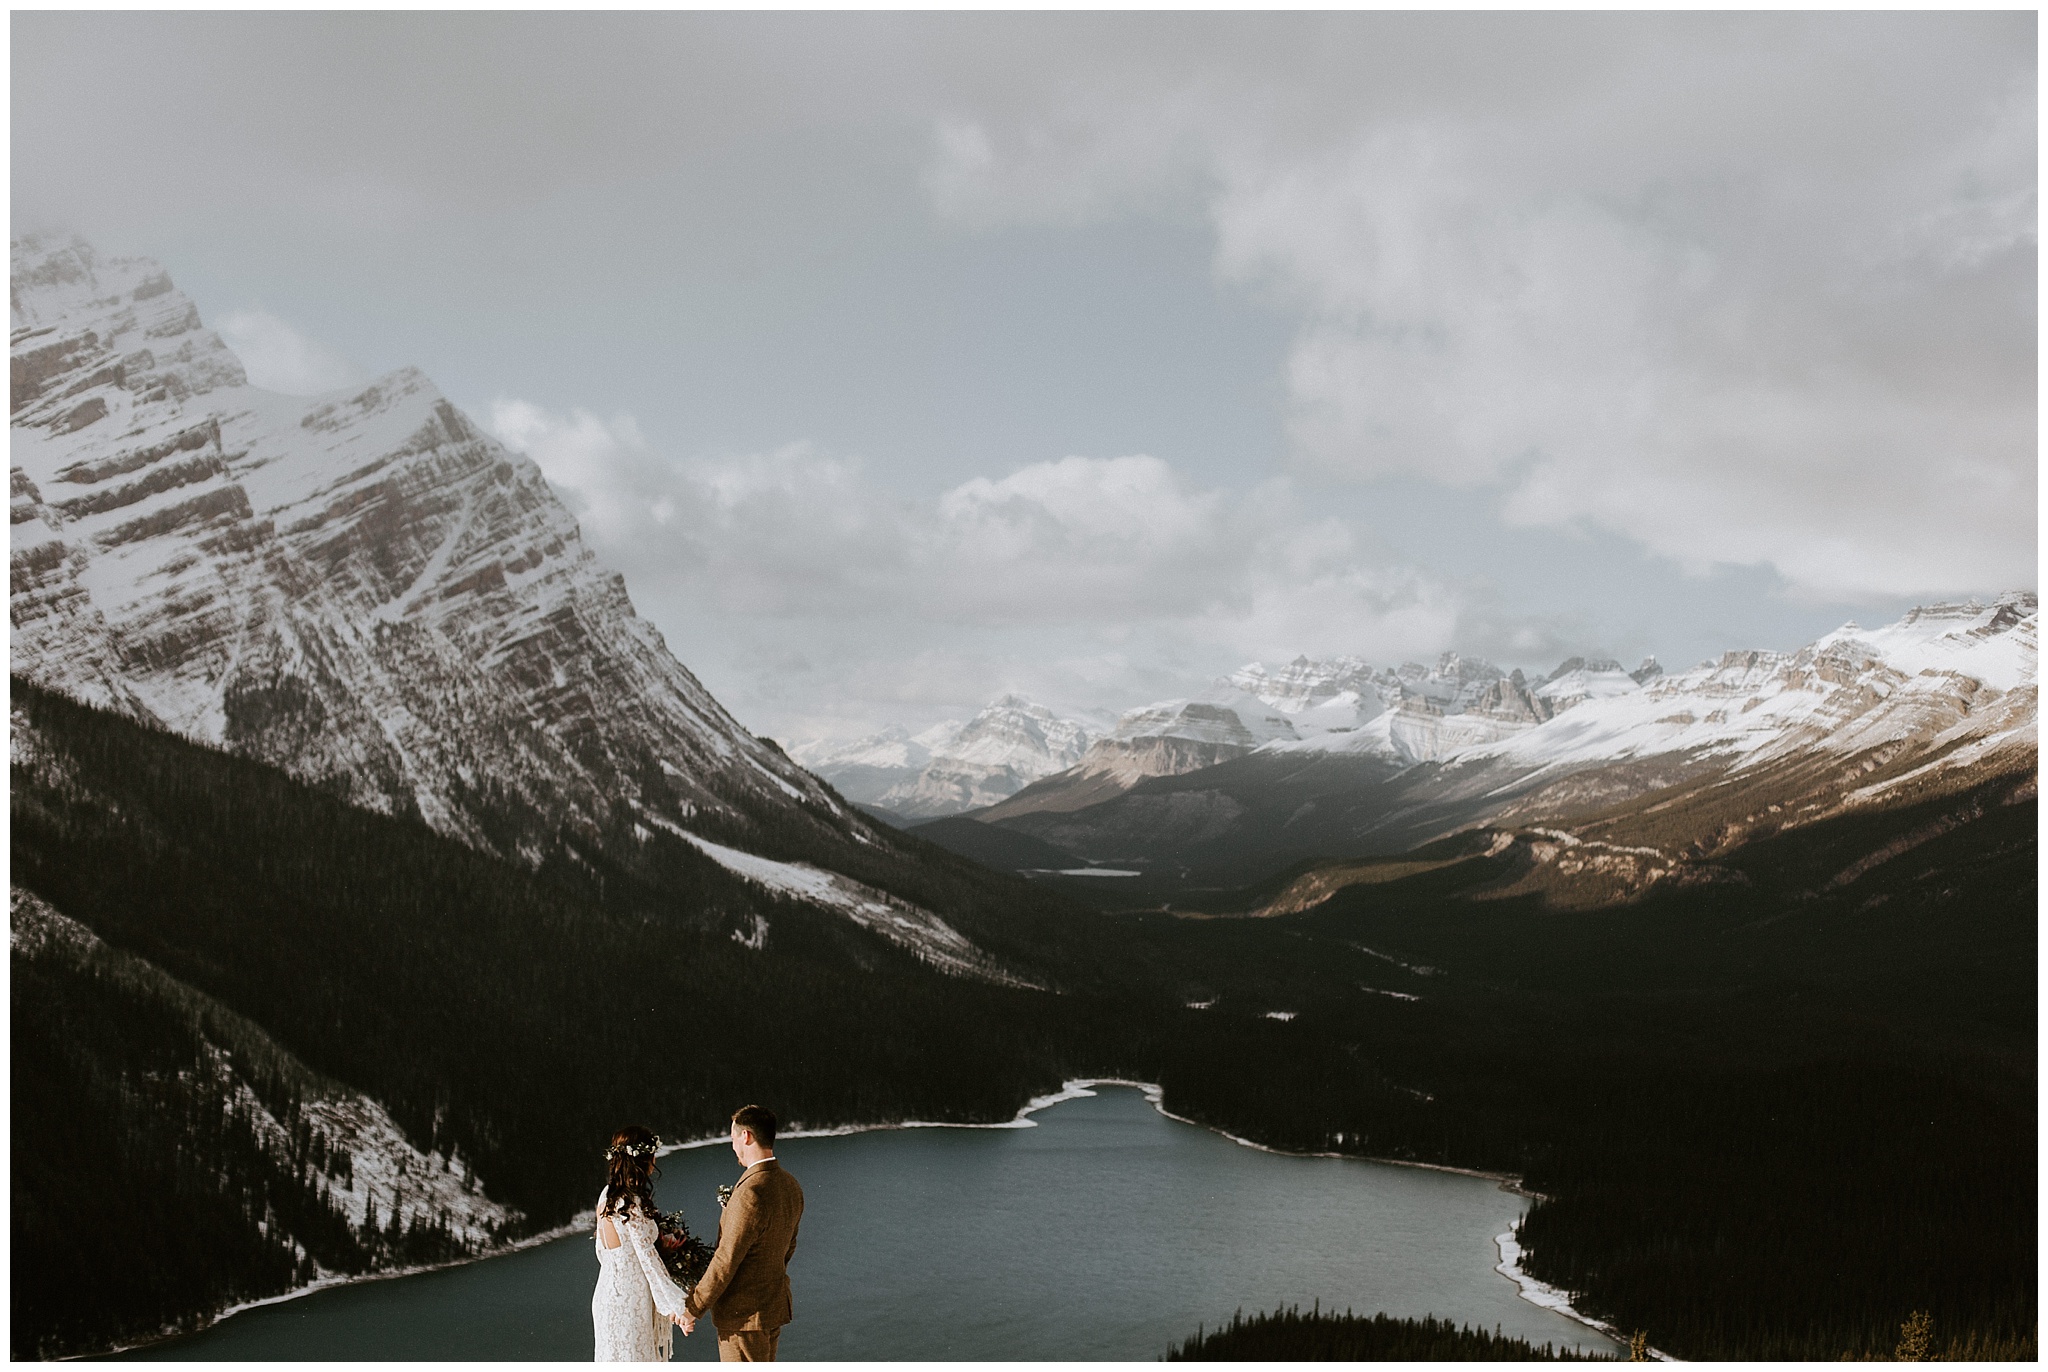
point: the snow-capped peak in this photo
(1960, 674)
(1318, 697)
(1014, 732)
(1010, 743)
(892, 747)
(1225, 716)
(1967, 637)
(361, 587)
(1577, 679)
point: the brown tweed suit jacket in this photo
(747, 1284)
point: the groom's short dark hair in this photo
(759, 1120)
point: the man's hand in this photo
(689, 1324)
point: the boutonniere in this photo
(724, 1195)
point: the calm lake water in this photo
(1107, 1232)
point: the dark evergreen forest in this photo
(1768, 1117)
(1291, 1336)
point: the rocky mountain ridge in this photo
(362, 587)
(1411, 713)
(1667, 764)
(951, 767)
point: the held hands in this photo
(688, 1323)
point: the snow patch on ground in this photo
(908, 926)
(1549, 1297)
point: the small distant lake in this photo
(1107, 1232)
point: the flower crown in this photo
(633, 1150)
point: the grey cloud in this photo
(1752, 290)
(278, 357)
(1083, 580)
(1080, 541)
(1747, 289)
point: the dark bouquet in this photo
(683, 1253)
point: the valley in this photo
(371, 857)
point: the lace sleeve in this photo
(639, 1231)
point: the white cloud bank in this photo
(1747, 289)
(1095, 551)
(278, 357)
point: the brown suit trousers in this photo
(749, 1345)
(746, 1288)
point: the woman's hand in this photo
(688, 1323)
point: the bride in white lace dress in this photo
(635, 1305)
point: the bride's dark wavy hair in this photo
(630, 1172)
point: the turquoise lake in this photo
(1106, 1232)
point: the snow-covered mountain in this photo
(1846, 690)
(369, 591)
(1753, 741)
(1957, 681)
(951, 767)
(1411, 712)
(1333, 695)
(1166, 738)
(862, 769)
(362, 587)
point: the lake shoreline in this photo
(1075, 1089)
(546, 1236)
(1541, 1293)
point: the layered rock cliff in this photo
(362, 587)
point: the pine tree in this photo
(1916, 1336)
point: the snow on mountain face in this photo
(1339, 705)
(1240, 721)
(1851, 689)
(1337, 695)
(1302, 683)
(1941, 674)
(1012, 732)
(917, 931)
(1452, 683)
(1944, 701)
(1417, 713)
(1168, 738)
(952, 767)
(894, 747)
(361, 587)
(1577, 679)
(384, 1173)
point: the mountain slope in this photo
(1166, 738)
(237, 1169)
(361, 587)
(367, 590)
(274, 980)
(1684, 764)
(1010, 743)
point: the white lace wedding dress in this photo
(634, 1298)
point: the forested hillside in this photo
(506, 1020)
(1772, 1114)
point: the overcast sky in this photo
(901, 360)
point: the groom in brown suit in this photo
(746, 1288)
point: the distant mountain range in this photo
(951, 767)
(1337, 759)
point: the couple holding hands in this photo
(745, 1289)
